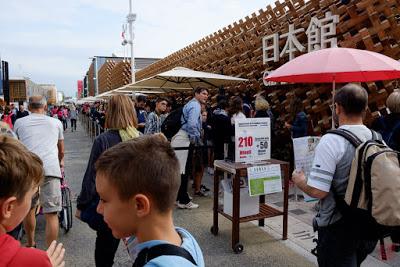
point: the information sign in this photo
(252, 140)
(265, 179)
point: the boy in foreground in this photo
(137, 199)
(21, 172)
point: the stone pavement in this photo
(262, 246)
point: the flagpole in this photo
(131, 18)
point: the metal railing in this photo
(92, 127)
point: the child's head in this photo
(137, 180)
(21, 171)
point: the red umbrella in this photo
(337, 64)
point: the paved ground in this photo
(262, 246)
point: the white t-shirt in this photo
(40, 134)
(329, 152)
(238, 115)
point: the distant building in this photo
(50, 92)
(4, 81)
(98, 78)
(60, 97)
(22, 88)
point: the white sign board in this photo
(304, 152)
(252, 139)
(265, 179)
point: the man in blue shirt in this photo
(141, 112)
(189, 136)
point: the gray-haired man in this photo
(43, 136)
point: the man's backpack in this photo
(147, 254)
(371, 206)
(172, 123)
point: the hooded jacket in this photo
(13, 255)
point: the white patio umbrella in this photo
(181, 78)
(89, 99)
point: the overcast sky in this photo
(51, 41)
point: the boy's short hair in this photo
(353, 98)
(20, 169)
(144, 165)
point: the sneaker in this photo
(204, 188)
(200, 194)
(210, 171)
(189, 205)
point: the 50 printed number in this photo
(246, 141)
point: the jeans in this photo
(338, 247)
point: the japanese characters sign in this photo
(321, 33)
(252, 140)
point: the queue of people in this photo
(136, 204)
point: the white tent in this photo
(181, 78)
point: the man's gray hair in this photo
(37, 101)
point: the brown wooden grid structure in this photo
(237, 50)
(121, 74)
(105, 76)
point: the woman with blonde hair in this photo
(263, 110)
(121, 123)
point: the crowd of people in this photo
(136, 204)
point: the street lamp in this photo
(130, 18)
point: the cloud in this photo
(55, 38)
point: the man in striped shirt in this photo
(337, 246)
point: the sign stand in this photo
(252, 156)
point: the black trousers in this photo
(73, 124)
(183, 196)
(106, 246)
(337, 247)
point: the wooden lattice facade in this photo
(91, 81)
(237, 50)
(105, 76)
(121, 74)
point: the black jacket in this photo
(101, 143)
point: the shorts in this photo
(50, 195)
(35, 200)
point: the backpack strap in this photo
(148, 254)
(349, 136)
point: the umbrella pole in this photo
(333, 102)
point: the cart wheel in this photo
(214, 231)
(238, 248)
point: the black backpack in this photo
(147, 254)
(172, 123)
